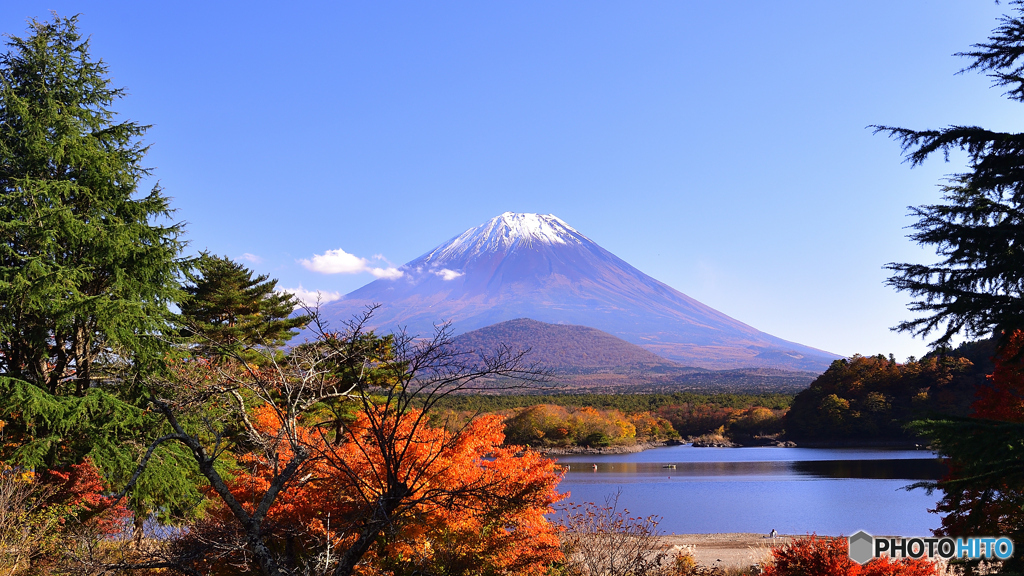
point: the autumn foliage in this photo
(874, 397)
(822, 556)
(551, 425)
(1003, 397)
(80, 493)
(472, 506)
(42, 514)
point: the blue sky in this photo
(720, 147)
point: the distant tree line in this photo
(628, 403)
(863, 399)
(615, 419)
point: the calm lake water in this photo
(793, 490)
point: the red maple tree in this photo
(470, 505)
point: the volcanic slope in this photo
(561, 347)
(537, 266)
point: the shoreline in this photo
(725, 549)
(642, 446)
(605, 451)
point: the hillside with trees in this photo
(562, 347)
(874, 398)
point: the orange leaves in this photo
(468, 497)
(812, 555)
(464, 499)
(650, 426)
(547, 425)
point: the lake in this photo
(793, 490)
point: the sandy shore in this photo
(726, 550)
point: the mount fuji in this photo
(537, 266)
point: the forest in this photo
(859, 401)
(610, 420)
(874, 399)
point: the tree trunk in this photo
(83, 362)
(138, 523)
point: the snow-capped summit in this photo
(537, 266)
(507, 232)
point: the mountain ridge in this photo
(582, 359)
(561, 346)
(537, 266)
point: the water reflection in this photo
(929, 469)
(895, 469)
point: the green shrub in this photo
(597, 440)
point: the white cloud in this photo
(341, 262)
(387, 273)
(250, 258)
(335, 262)
(447, 274)
(311, 297)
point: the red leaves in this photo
(823, 556)
(467, 500)
(79, 490)
(1003, 399)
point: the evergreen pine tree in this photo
(87, 273)
(84, 267)
(228, 309)
(977, 290)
